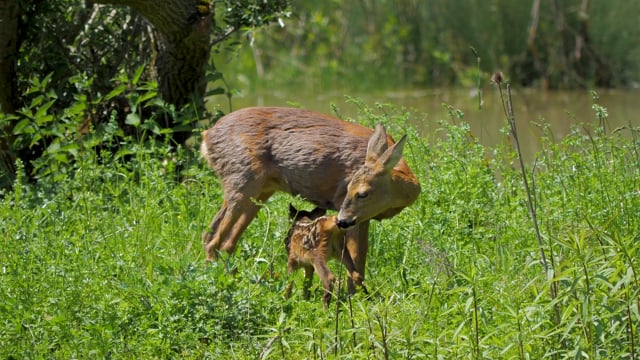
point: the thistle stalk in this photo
(549, 269)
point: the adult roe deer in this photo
(313, 239)
(330, 162)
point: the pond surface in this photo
(560, 109)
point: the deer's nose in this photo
(345, 224)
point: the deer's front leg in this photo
(358, 245)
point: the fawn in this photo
(313, 239)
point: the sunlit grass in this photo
(109, 264)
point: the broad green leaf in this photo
(216, 91)
(44, 119)
(115, 92)
(136, 76)
(146, 96)
(54, 147)
(21, 126)
(132, 119)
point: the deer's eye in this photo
(362, 195)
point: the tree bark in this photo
(560, 60)
(8, 50)
(183, 45)
(582, 37)
(8, 83)
(531, 41)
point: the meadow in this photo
(104, 260)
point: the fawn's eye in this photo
(362, 195)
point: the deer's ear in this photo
(393, 154)
(377, 144)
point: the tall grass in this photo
(107, 263)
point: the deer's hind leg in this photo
(250, 209)
(208, 234)
(238, 209)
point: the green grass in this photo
(108, 263)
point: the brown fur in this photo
(333, 163)
(313, 239)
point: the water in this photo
(561, 110)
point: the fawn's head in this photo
(300, 217)
(297, 215)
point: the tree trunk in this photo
(8, 51)
(183, 45)
(8, 83)
(532, 33)
(587, 62)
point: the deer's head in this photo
(374, 188)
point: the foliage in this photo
(64, 39)
(250, 14)
(82, 65)
(69, 133)
(103, 259)
(100, 42)
(373, 44)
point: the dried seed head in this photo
(496, 77)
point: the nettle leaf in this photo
(115, 92)
(72, 147)
(77, 108)
(54, 147)
(132, 119)
(146, 96)
(213, 76)
(136, 76)
(44, 119)
(36, 101)
(44, 108)
(216, 91)
(150, 124)
(92, 140)
(61, 157)
(23, 127)
(124, 152)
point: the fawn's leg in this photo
(320, 265)
(308, 280)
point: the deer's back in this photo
(298, 151)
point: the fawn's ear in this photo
(317, 212)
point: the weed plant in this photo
(104, 260)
